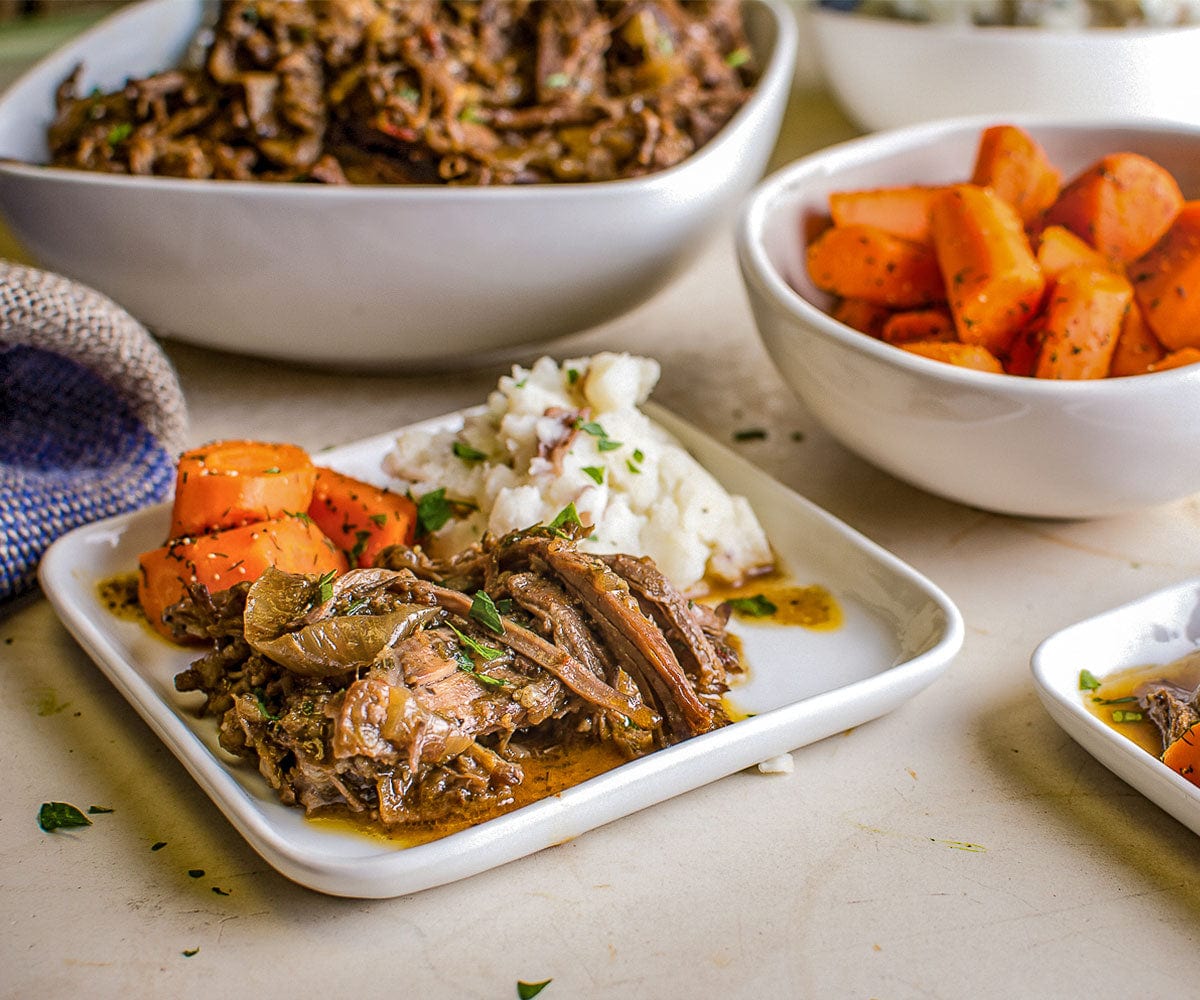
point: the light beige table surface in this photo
(962, 846)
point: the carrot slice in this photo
(1084, 313)
(1122, 205)
(863, 262)
(993, 281)
(1176, 359)
(964, 355)
(1183, 755)
(866, 317)
(359, 518)
(1012, 164)
(221, 559)
(1022, 357)
(901, 211)
(1059, 248)
(1137, 350)
(919, 324)
(225, 484)
(1166, 282)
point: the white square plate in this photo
(1156, 629)
(900, 632)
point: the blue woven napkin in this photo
(91, 415)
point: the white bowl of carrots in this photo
(1004, 313)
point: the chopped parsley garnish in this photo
(60, 816)
(379, 520)
(477, 647)
(119, 133)
(750, 434)
(299, 515)
(1088, 681)
(591, 427)
(360, 543)
(325, 585)
(607, 444)
(753, 607)
(1119, 715)
(467, 666)
(572, 376)
(484, 611)
(738, 57)
(595, 473)
(557, 81)
(1114, 701)
(433, 510)
(568, 515)
(467, 453)
(527, 991)
(272, 471)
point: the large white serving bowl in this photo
(366, 276)
(888, 73)
(1003, 443)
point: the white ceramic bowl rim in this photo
(760, 203)
(1009, 34)
(780, 64)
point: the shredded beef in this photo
(398, 697)
(424, 92)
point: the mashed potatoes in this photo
(553, 435)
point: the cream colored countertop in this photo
(961, 846)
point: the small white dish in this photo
(1157, 629)
(371, 275)
(1005, 443)
(888, 72)
(900, 633)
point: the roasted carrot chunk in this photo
(1059, 248)
(866, 317)
(1137, 350)
(220, 559)
(1121, 205)
(993, 282)
(1013, 165)
(964, 355)
(901, 211)
(1166, 282)
(1177, 359)
(863, 262)
(229, 483)
(919, 324)
(359, 518)
(1082, 321)
(1183, 756)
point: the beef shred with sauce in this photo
(415, 692)
(423, 92)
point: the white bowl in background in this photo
(887, 72)
(365, 276)
(1003, 443)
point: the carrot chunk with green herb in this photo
(1166, 282)
(225, 484)
(1059, 248)
(1183, 755)
(919, 324)
(866, 317)
(901, 211)
(1081, 324)
(361, 519)
(1137, 350)
(993, 281)
(220, 559)
(1012, 164)
(863, 262)
(1122, 205)
(1176, 359)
